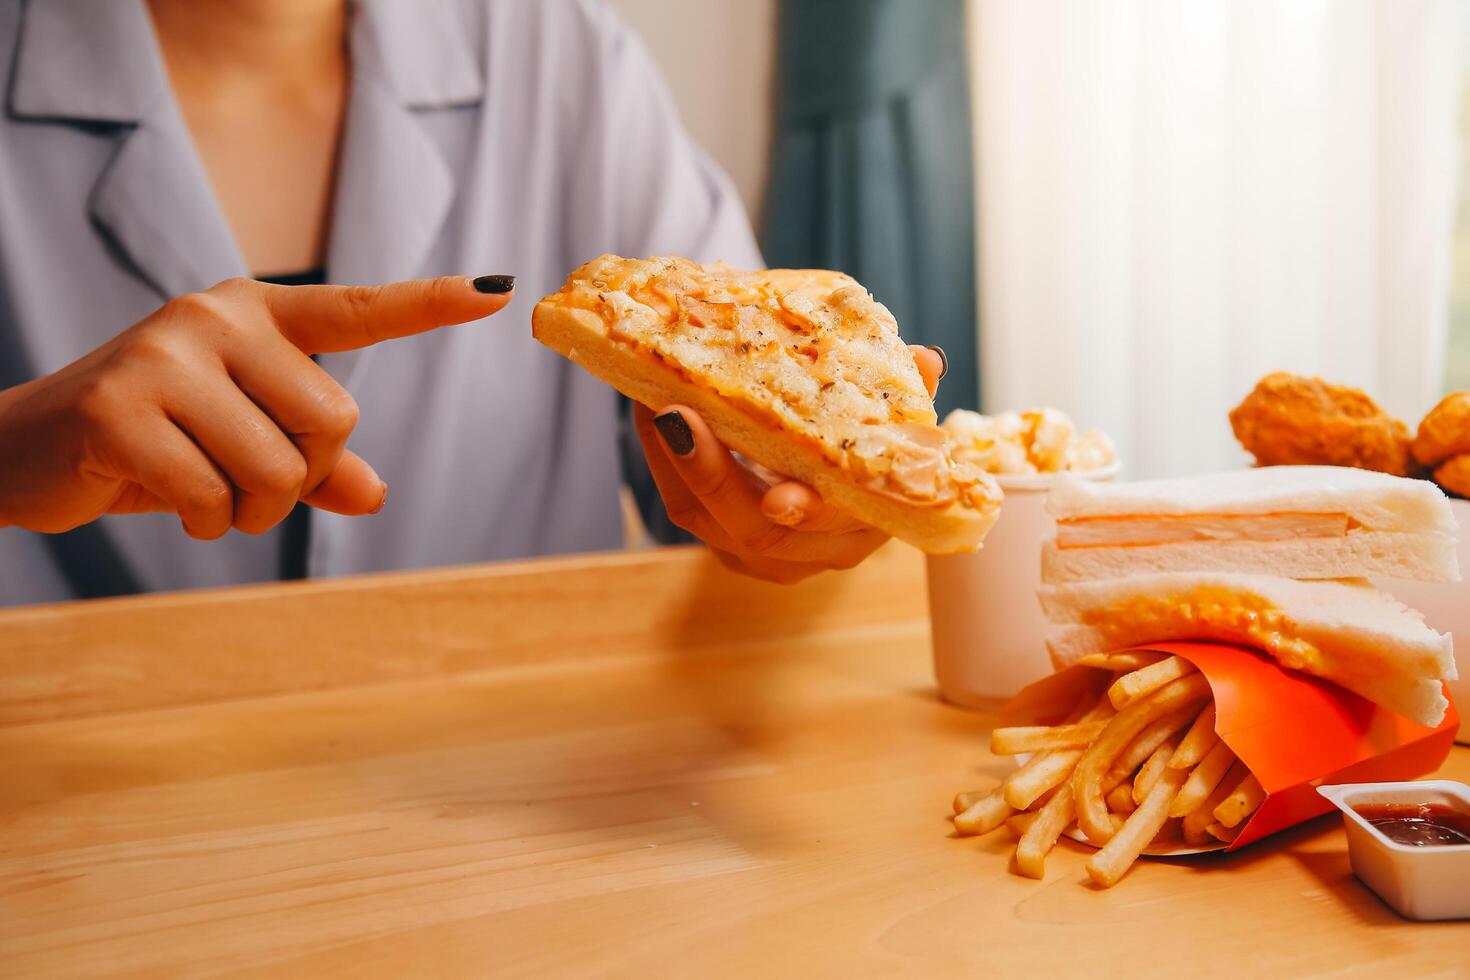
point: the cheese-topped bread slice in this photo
(800, 370)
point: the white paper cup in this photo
(1446, 607)
(988, 631)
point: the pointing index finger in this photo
(326, 319)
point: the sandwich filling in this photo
(810, 353)
(1208, 612)
(1141, 531)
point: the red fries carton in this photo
(1294, 731)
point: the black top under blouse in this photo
(295, 530)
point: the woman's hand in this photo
(212, 408)
(754, 521)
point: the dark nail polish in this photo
(943, 359)
(675, 433)
(495, 284)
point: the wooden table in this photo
(631, 765)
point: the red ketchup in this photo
(1418, 824)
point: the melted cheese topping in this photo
(1144, 531)
(808, 352)
(1208, 613)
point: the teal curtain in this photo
(871, 170)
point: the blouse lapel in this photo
(155, 203)
(98, 64)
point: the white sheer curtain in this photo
(1178, 196)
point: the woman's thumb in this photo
(352, 488)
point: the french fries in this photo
(1112, 862)
(1194, 837)
(1223, 833)
(984, 815)
(1018, 823)
(1198, 741)
(1150, 772)
(1196, 821)
(963, 801)
(1203, 780)
(1121, 661)
(1145, 680)
(1244, 800)
(1047, 770)
(1042, 772)
(1120, 799)
(1136, 761)
(1042, 835)
(1038, 738)
(1092, 813)
(1143, 746)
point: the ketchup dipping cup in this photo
(1416, 882)
(989, 633)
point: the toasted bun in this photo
(1363, 640)
(1376, 501)
(1426, 557)
(581, 336)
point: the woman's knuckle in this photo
(358, 302)
(281, 475)
(687, 517)
(100, 402)
(195, 308)
(207, 496)
(707, 483)
(214, 313)
(338, 412)
(156, 350)
(233, 287)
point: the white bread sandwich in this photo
(799, 370)
(1346, 632)
(1307, 522)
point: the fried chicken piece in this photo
(1453, 475)
(1289, 419)
(1445, 431)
